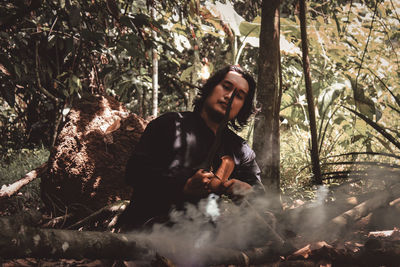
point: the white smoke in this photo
(214, 222)
(242, 227)
(212, 209)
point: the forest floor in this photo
(368, 236)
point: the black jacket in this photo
(171, 150)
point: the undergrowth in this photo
(14, 168)
(296, 169)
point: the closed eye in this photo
(240, 97)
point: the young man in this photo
(164, 168)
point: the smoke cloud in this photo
(216, 222)
(212, 223)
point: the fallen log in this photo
(22, 241)
(18, 240)
(8, 191)
(339, 225)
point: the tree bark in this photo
(7, 191)
(266, 130)
(20, 241)
(155, 69)
(316, 168)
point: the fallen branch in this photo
(338, 225)
(21, 241)
(117, 207)
(58, 221)
(387, 233)
(7, 191)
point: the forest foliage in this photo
(54, 51)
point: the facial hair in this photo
(214, 115)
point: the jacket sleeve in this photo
(248, 170)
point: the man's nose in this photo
(228, 95)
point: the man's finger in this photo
(205, 180)
(229, 183)
(208, 175)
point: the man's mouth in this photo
(222, 103)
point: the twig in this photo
(396, 98)
(363, 153)
(394, 10)
(114, 207)
(356, 173)
(52, 26)
(57, 220)
(368, 163)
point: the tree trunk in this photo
(155, 70)
(194, 77)
(266, 129)
(316, 168)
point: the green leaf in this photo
(187, 74)
(361, 127)
(357, 137)
(74, 84)
(377, 127)
(250, 29)
(141, 20)
(339, 120)
(289, 27)
(131, 47)
(227, 14)
(330, 94)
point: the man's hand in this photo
(201, 184)
(237, 189)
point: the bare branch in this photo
(7, 191)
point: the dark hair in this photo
(248, 107)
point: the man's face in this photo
(217, 102)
